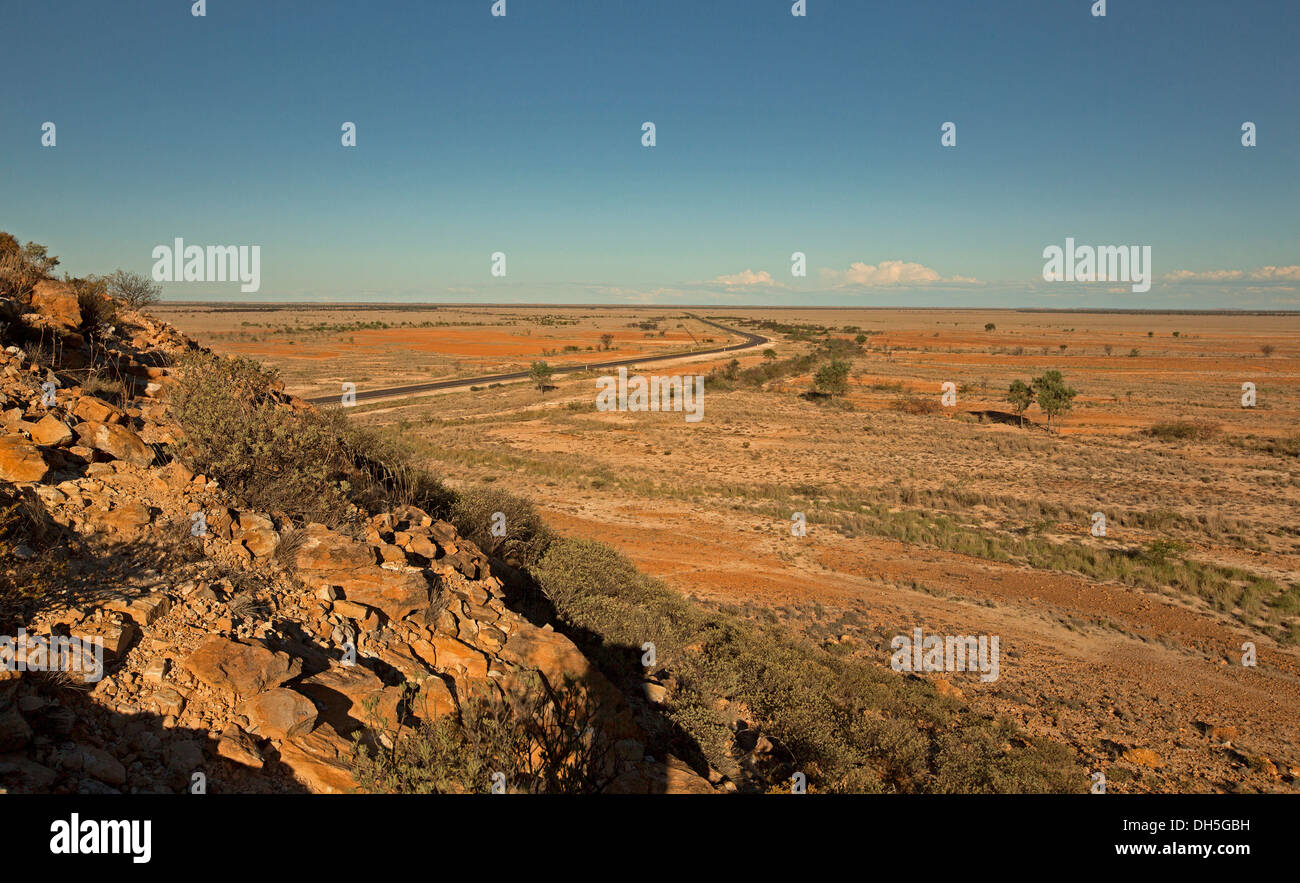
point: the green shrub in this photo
(98, 310)
(31, 570)
(916, 405)
(311, 465)
(848, 725)
(1183, 430)
(541, 739)
(525, 537)
(832, 378)
(21, 267)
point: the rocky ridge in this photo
(242, 652)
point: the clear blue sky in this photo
(775, 134)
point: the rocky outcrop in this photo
(55, 305)
(253, 650)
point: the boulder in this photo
(117, 442)
(238, 747)
(395, 593)
(126, 519)
(342, 693)
(51, 431)
(324, 551)
(20, 460)
(279, 713)
(449, 654)
(57, 302)
(240, 670)
(96, 410)
(260, 542)
(320, 761)
(14, 731)
(671, 777)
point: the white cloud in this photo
(1203, 276)
(1261, 274)
(1271, 274)
(864, 275)
(747, 278)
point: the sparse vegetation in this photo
(1184, 430)
(540, 739)
(313, 465)
(540, 374)
(1021, 396)
(1054, 397)
(849, 726)
(832, 379)
(133, 289)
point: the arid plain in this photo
(953, 518)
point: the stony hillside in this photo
(243, 651)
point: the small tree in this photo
(1054, 397)
(1267, 349)
(832, 378)
(133, 289)
(540, 373)
(1021, 397)
(606, 340)
(769, 354)
(989, 326)
(22, 267)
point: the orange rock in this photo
(1143, 757)
(96, 410)
(280, 713)
(240, 669)
(52, 431)
(57, 301)
(320, 761)
(116, 441)
(20, 460)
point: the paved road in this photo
(389, 392)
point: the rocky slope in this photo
(241, 652)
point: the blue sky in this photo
(775, 134)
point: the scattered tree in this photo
(1267, 349)
(989, 326)
(769, 354)
(21, 267)
(540, 373)
(832, 378)
(1054, 397)
(606, 340)
(1021, 397)
(133, 289)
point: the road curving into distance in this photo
(751, 340)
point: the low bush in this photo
(314, 466)
(540, 739)
(1183, 430)
(502, 524)
(846, 724)
(917, 405)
